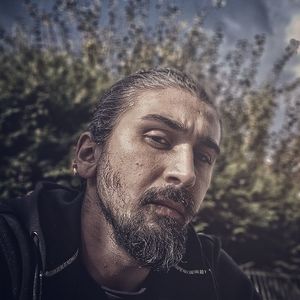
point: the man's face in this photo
(155, 171)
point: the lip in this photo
(175, 206)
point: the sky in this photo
(279, 20)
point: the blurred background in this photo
(57, 57)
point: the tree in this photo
(57, 62)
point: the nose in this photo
(180, 170)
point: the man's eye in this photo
(205, 158)
(157, 141)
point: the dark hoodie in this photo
(40, 256)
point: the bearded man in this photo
(147, 160)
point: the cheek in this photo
(145, 169)
(202, 185)
(204, 174)
(138, 164)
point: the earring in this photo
(74, 168)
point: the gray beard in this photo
(160, 248)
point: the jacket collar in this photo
(54, 215)
(51, 214)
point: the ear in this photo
(86, 155)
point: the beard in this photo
(153, 240)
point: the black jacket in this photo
(39, 256)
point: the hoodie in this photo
(40, 256)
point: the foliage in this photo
(56, 62)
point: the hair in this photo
(120, 97)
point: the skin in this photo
(147, 150)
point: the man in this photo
(147, 161)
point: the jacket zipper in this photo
(38, 273)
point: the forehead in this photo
(178, 105)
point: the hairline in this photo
(131, 99)
(131, 88)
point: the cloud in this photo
(296, 70)
(293, 32)
(293, 28)
(238, 19)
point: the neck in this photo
(107, 263)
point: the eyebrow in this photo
(167, 121)
(204, 140)
(210, 143)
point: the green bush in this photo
(56, 63)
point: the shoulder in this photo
(22, 236)
(15, 255)
(233, 283)
(230, 280)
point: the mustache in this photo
(155, 195)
